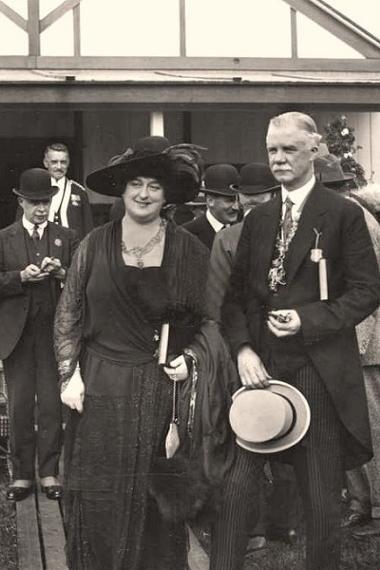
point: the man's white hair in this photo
(301, 120)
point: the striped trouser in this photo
(317, 461)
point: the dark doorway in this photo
(18, 154)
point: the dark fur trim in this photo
(179, 490)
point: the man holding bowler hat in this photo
(34, 256)
(305, 275)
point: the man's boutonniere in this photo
(316, 255)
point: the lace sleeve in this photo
(69, 314)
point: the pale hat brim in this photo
(301, 420)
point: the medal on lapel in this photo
(316, 255)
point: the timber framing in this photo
(188, 63)
(171, 96)
(339, 25)
(319, 11)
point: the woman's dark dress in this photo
(111, 520)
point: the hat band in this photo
(292, 423)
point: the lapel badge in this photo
(58, 242)
(75, 199)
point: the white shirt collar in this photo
(60, 200)
(216, 225)
(298, 197)
(61, 183)
(29, 226)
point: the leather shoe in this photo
(289, 536)
(52, 492)
(16, 493)
(355, 519)
(371, 529)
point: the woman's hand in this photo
(73, 395)
(178, 370)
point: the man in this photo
(220, 187)
(34, 255)
(255, 187)
(363, 482)
(279, 327)
(70, 206)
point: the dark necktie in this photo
(35, 234)
(287, 221)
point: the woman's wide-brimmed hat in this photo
(329, 171)
(256, 178)
(221, 180)
(35, 184)
(177, 167)
(269, 420)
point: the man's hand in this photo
(53, 266)
(284, 322)
(252, 371)
(178, 369)
(32, 273)
(73, 395)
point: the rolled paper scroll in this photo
(163, 346)
(323, 287)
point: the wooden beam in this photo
(189, 64)
(76, 30)
(13, 16)
(29, 549)
(182, 28)
(52, 533)
(293, 31)
(193, 64)
(57, 13)
(33, 27)
(338, 26)
(187, 96)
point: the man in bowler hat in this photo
(255, 187)
(285, 320)
(34, 256)
(220, 187)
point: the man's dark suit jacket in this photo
(201, 228)
(328, 328)
(14, 296)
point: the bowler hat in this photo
(256, 178)
(221, 180)
(269, 420)
(329, 171)
(35, 184)
(177, 167)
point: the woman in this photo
(127, 278)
